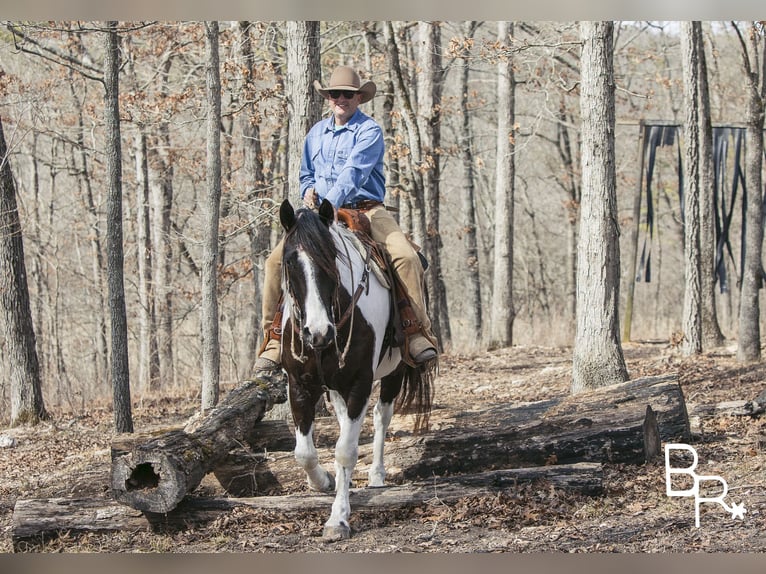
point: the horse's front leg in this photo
(346, 455)
(306, 455)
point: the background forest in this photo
(438, 102)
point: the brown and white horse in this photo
(336, 338)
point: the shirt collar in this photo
(352, 124)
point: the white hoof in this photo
(376, 482)
(336, 533)
(329, 485)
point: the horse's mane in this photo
(313, 234)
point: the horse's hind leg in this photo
(382, 414)
(346, 455)
(381, 419)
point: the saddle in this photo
(402, 321)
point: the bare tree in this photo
(304, 104)
(711, 331)
(27, 405)
(123, 419)
(429, 89)
(692, 314)
(753, 56)
(468, 190)
(598, 358)
(209, 325)
(503, 310)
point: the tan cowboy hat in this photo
(345, 78)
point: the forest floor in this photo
(69, 456)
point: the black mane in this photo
(312, 233)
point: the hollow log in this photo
(154, 476)
(38, 519)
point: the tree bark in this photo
(37, 520)
(749, 347)
(27, 404)
(156, 475)
(209, 324)
(413, 184)
(304, 104)
(692, 312)
(148, 361)
(123, 419)
(622, 423)
(472, 299)
(429, 90)
(598, 358)
(161, 176)
(255, 184)
(503, 309)
(711, 331)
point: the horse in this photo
(336, 340)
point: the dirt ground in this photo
(70, 457)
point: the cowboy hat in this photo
(345, 78)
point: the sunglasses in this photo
(348, 94)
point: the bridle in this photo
(348, 315)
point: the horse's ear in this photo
(287, 215)
(327, 212)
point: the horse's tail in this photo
(416, 394)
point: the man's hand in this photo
(310, 198)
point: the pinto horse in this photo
(336, 340)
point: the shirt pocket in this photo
(341, 157)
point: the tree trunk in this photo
(100, 353)
(472, 299)
(429, 89)
(304, 104)
(711, 331)
(148, 362)
(209, 324)
(503, 308)
(749, 348)
(161, 175)
(255, 184)
(27, 405)
(123, 419)
(414, 165)
(598, 358)
(572, 185)
(156, 475)
(692, 313)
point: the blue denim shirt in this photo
(344, 165)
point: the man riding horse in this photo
(342, 162)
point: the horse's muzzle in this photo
(319, 340)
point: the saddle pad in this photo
(376, 261)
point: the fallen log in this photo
(622, 423)
(38, 519)
(154, 476)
